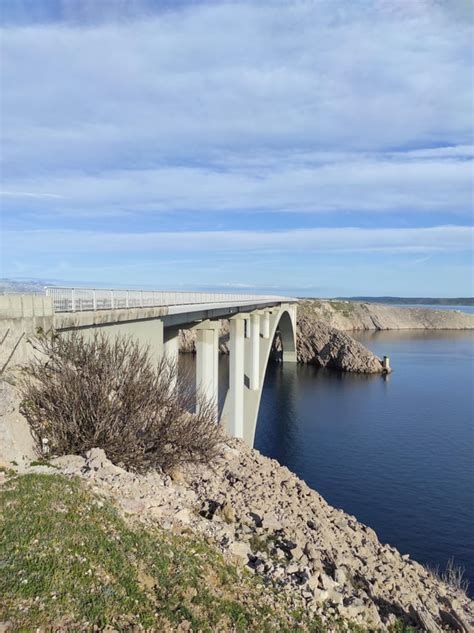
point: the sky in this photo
(301, 147)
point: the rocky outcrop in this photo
(350, 315)
(324, 346)
(16, 442)
(267, 520)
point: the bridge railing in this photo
(82, 299)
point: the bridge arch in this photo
(282, 320)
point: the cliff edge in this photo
(351, 315)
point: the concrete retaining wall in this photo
(21, 317)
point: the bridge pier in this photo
(207, 362)
(236, 376)
(254, 350)
(171, 343)
(266, 324)
(171, 349)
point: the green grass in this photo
(67, 559)
(42, 462)
(341, 306)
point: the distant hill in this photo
(35, 286)
(458, 301)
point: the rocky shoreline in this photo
(352, 315)
(266, 520)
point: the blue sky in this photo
(315, 147)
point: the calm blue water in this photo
(398, 453)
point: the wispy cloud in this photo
(375, 184)
(348, 239)
(183, 83)
(28, 194)
(124, 123)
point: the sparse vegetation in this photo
(453, 575)
(69, 561)
(344, 307)
(80, 393)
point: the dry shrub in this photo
(453, 575)
(82, 393)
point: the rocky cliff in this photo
(266, 520)
(324, 346)
(350, 315)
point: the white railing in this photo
(81, 299)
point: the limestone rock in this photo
(239, 552)
(324, 346)
(69, 463)
(176, 474)
(355, 315)
(228, 513)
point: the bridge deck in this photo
(92, 299)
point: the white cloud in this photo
(233, 76)
(436, 239)
(228, 108)
(367, 184)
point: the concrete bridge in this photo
(155, 319)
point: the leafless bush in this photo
(453, 575)
(82, 393)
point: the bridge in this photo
(155, 319)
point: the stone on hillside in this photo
(228, 513)
(176, 474)
(183, 516)
(132, 506)
(327, 582)
(69, 463)
(239, 552)
(340, 576)
(424, 619)
(96, 458)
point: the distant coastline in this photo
(425, 301)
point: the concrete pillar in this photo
(289, 357)
(266, 324)
(207, 362)
(247, 327)
(216, 366)
(289, 336)
(171, 349)
(236, 377)
(254, 351)
(171, 343)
